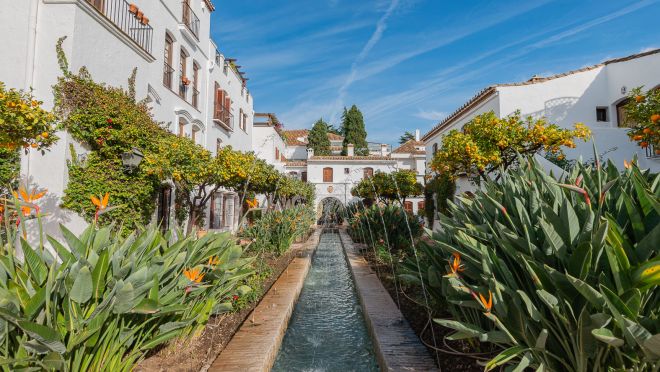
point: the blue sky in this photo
(408, 63)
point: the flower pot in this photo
(145, 21)
(139, 14)
(133, 8)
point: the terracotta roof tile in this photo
(296, 163)
(485, 93)
(410, 147)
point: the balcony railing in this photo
(119, 13)
(650, 152)
(223, 116)
(168, 75)
(195, 97)
(190, 19)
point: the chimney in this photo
(350, 150)
(383, 149)
(310, 152)
(416, 134)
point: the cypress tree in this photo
(317, 138)
(354, 131)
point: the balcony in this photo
(651, 152)
(222, 116)
(190, 19)
(168, 75)
(129, 20)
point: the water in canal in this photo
(327, 330)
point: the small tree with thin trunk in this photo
(407, 136)
(318, 138)
(488, 142)
(391, 187)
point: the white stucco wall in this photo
(29, 30)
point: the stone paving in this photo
(397, 346)
(255, 345)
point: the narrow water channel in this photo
(327, 330)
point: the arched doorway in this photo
(330, 211)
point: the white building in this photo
(169, 43)
(335, 175)
(267, 141)
(594, 95)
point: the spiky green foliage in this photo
(317, 138)
(353, 130)
(103, 301)
(388, 225)
(572, 265)
(275, 231)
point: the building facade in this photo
(191, 86)
(593, 95)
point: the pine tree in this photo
(354, 132)
(407, 136)
(317, 138)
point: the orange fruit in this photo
(655, 118)
(639, 98)
(644, 144)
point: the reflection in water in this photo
(327, 330)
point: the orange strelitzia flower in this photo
(101, 204)
(455, 265)
(214, 260)
(28, 197)
(488, 305)
(194, 275)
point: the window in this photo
(408, 206)
(327, 175)
(183, 84)
(164, 200)
(621, 114)
(215, 217)
(435, 148)
(368, 172)
(222, 107)
(194, 134)
(168, 71)
(245, 118)
(277, 154)
(228, 211)
(241, 120)
(195, 95)
(303, 176)
(347, 171)
(421, 206)
(601, 113)
(182, 127)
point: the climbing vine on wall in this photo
(108, 121)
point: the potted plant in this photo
(185, 81)
(145, 21)
(139, 14)
(132, 8)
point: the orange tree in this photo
(389, 187)
(23, 124)
(643, 115)
(488, 142)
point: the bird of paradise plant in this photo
(194, 275)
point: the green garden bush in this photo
(384, 224)
(104, 300)
(275, 231)
(563, 275)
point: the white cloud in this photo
(431, 115)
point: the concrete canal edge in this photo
(254, 347)
(397, 346)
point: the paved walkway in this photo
(254, 347)
(397, 346)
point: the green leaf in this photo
(45, 335)
(531, 309)
(124, 298)
(82, 289)
(504, 357)
(652, 344)
(37, 267)
(99, 274)
(75, 245)
(606, 336)
(541, 339)
(649, 244)
(588, 292)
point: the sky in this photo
(407, 64)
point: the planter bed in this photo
(198, 353)
(418, 319)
